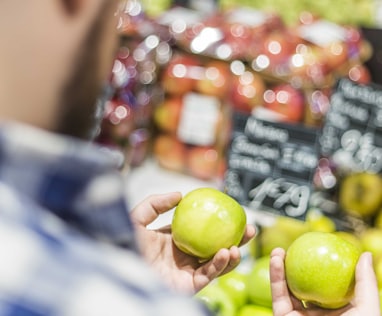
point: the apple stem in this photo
(305, 304)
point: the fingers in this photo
(150, 208)
(249, 233)
(366, 289)
(282, 303)
(224, 261)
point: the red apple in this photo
(277, 49)
(169, 152)
(308, 63)
(167, 114)
(215, 80)
(202, 162)
(177, 77)
(335, 54)
(359, 73)
(316, 106)
(287, 101)
(117, 123)
(247, 91)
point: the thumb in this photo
(150, 208)
(366, 288)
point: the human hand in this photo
(365, 301)
(181, 271)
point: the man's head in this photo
(55, 56)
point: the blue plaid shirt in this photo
(62, 205)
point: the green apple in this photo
(377, 262)
(351, 237)
(280, 234)
(217, 300)
(254, 310)
(371, 240)
(235, 283)
(361, 194)
(320, 269)
(207, 220)
(319, 222)
(259, 284)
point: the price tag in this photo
(271, 165)
(199, 118)
(352, 132)
(322, 33)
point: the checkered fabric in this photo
(62, 205)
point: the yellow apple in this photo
(361, 194)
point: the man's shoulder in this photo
(48, 266)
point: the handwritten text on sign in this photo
(270, 165)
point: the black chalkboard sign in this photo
(271, 165)
(352, 132)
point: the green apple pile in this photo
(241, 292)
(339, 11)
(207, 220)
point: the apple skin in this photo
(167, 114)
(235, 283)
(320, 269)
(215, 80)
(255, 310)
(176, 79)
(360, 194)
(207, 220)
(259, 284)
(202, 162)
(169, 152)
(217, 300)
(247, 91)
(287, 101)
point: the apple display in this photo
(320, 269)
(207, 220)
(319, 222)
(259, 284)
(287, 101)
(359, 73)
(360, 194)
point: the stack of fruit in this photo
(193, 120)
